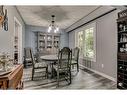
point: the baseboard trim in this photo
(102, 74)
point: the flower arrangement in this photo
(4, 59)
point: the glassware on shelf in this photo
(121, 27)
(120, 67)
(120, 84)
(49, 38)
(121, 38)
(124, 28)
(121, 49)
(56, 38)
(124, 38)
(44, 38)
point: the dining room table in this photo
(51, 60)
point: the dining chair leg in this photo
(24, 64)
(32, 74)
(52, 71)
(70, 76)
(77, 67)
(47, 72)
(57, 79)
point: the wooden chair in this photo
(38, 66)
(63, 67)
(27, 57)
(75, 58)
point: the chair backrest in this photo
(76, 54)
(27, 53)
(64, 58)
(37, 55)
(73, 51)
(32, 58)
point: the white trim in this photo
(100, 73)
(20, 49)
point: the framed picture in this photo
(3, 19)
(5, 22)
(1, 15)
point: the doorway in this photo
(18, 57)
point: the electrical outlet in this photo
(102, 65)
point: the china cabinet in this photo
(47, 43)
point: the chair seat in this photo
(73, 62)
(28, 59)
(60, 69)
(40, 65)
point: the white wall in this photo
(7, 37)
(106, 44)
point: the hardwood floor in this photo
(84, 79)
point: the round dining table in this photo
(51, 60)
(52, 57)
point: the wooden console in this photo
(13, 80)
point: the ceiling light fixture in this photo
(53, 27)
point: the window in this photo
(80, 41)
(86, 41)
(89, 43)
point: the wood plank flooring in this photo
(84, 79)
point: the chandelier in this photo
(53, 27)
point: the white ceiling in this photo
(65, 15)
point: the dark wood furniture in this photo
(122, 50)
(12, 80)
(63, 67)
(75, 54)
(47, 43)
(36, 66)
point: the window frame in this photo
(88, 26)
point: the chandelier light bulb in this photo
(53, 27)
(49, 29)
(57, 28)
(55, 31)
